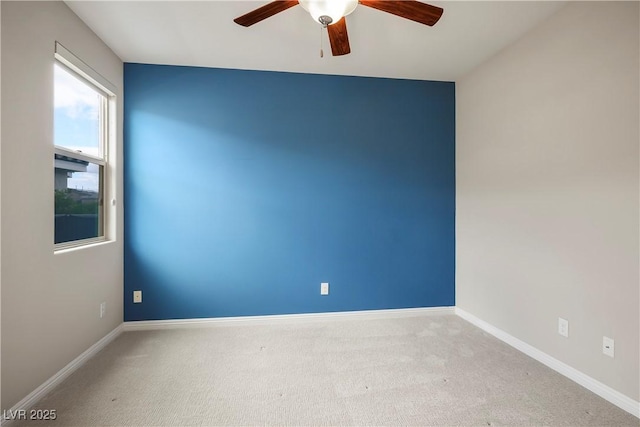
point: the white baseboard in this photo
(37, 394)
(615, 397)
(144, 325)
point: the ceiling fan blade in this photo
(409, 9)
(264, 12)
(339, 38)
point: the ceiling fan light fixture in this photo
(334, 10)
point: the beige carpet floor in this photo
(415, 371)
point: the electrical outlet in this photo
(608, 346)
(103, 309)
(563, 327)
(137, 297)
(324, 288)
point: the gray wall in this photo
(547, 189)
(50, 302)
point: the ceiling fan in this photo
(331, 15)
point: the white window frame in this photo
(85, 73)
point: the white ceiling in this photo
(202, 33)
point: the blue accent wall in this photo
(244, 190)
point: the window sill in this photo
(80, 245)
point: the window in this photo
(81, 135)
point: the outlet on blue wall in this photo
(246, 189)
